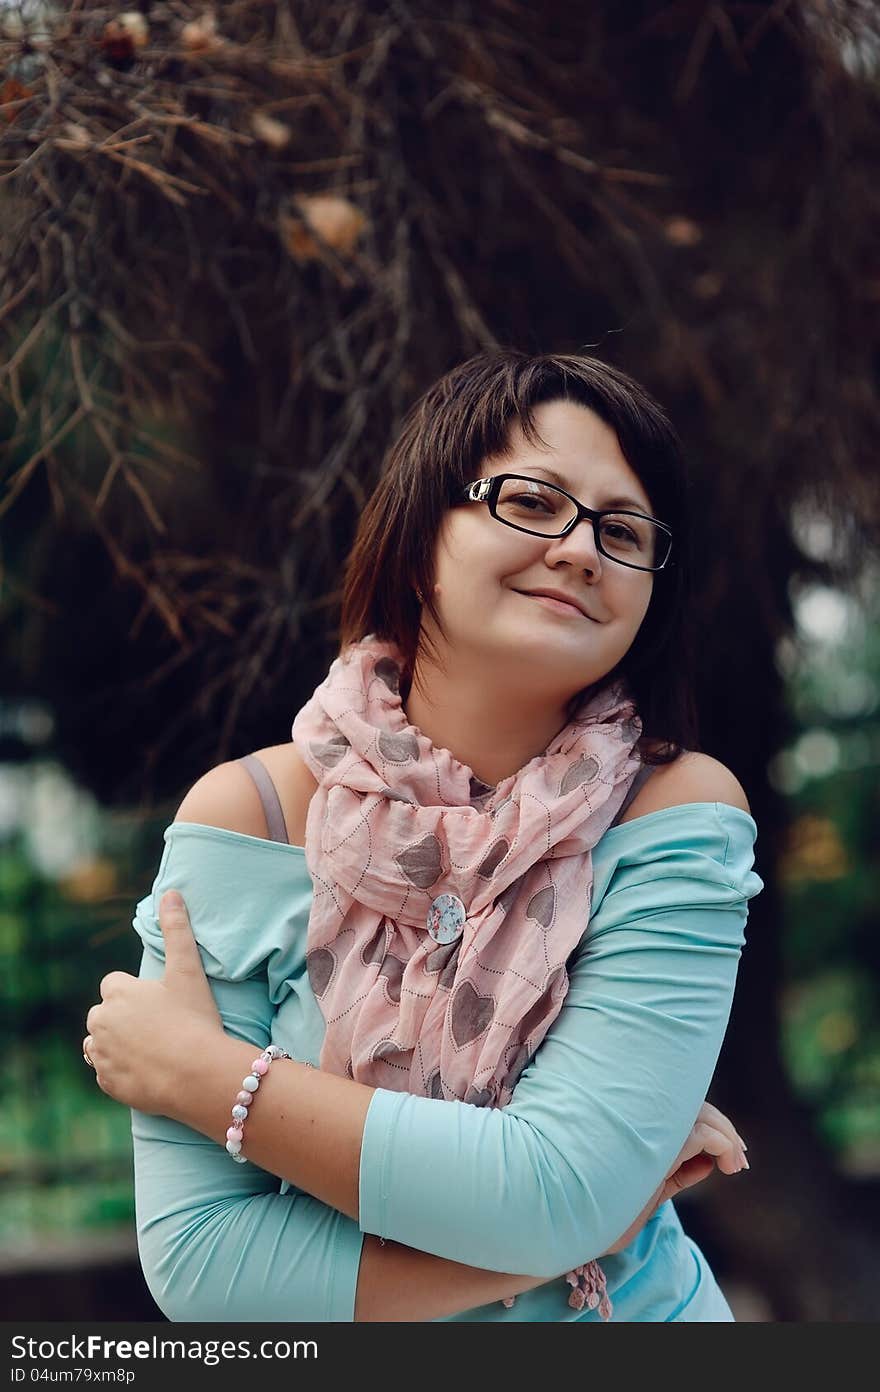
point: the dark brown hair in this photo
(446, 436)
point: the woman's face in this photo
(485, 573)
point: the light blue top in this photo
(537, 1187)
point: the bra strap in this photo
(268, 797)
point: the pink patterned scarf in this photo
(444, 911)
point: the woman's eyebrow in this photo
(622, 501)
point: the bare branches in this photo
(233, 251)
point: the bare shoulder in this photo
(692, 777)
(227, 797)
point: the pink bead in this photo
(234, 1133)
(260, 1067)
(245, 1098)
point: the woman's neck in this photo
(489, 729)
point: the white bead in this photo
(250, 1083)
(233, 1147)
(240, 1159)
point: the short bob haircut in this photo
(446, 437)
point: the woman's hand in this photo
(713, 1140)
(714, 1137)
(135, 1036)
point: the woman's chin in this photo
(547, 660)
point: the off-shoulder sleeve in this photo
(224, 876)
(220, 1241)
(603, 1108)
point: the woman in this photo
(506, 923)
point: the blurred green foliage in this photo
(65, 1150)
(830, 880)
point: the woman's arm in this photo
(312, 1127)
(218, 1246)
(603, 1105)
(219, 1241)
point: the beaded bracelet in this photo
(249, 1085)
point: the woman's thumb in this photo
(183, 964)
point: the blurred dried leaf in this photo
(315, 221)
(12, 91)
(200, 35)
(683, 232)
(123, 37)
(273, 133)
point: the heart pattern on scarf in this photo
(479, 791)
(541, 908)
(583, 771)
(421, 863)
(517, 1064)
(389, 673)
(479, 1097)
(392, 970)
(487, 867)
(321, 964)
(469, 1014)
(387, 1049)
(330, 753)
(396, 797)
(375, 949)
(440, 956)
(398, 749)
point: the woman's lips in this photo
(560, 606)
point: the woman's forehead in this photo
(598, 483)
(576, 450)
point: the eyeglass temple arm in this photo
(477, 491)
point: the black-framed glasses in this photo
(543, 509)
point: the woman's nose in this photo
(578, 548)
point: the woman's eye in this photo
(617, 532)
(530, 502)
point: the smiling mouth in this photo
(559, 605)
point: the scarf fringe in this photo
(589, 1288)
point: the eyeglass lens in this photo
(542, 509)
